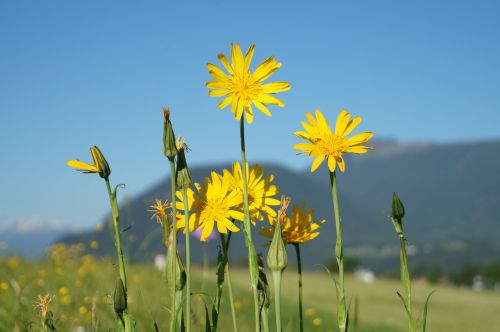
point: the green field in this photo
(81, 284)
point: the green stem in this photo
(119, 252)
(342, 308)
(188, 261)
(405, 280)
(299, 272)
(173, 317)
(252, 256)
(277, 300)
(265, 319)
(225, 248)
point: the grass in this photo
(81, 285)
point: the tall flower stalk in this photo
(277, 259)
(296, 230)
(397, 215)
(342, 315)
(170, 151)
(323, 143)
(241, 89)
(184, 182)
(101, 167)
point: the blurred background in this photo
(423, 75)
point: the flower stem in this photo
(405, 280)
(173, 317)
(188, 261)
(119, 252)
(277, 298)
(342, 308)
(225, 247)
(252, 256)
(126, 321)
(299, 272)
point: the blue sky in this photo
(78, 73)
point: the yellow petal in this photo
(248, 56)
(317, 162)
(351, 125)
(81, 166)
(275, 87)
(342, 121)
(331, 164)
(225, 63)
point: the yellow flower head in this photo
(241, 88)
(159, 210)
(42, 302)
(216, 203)
(260, 190)
(100, 164)
(323, 143)
(298, 228)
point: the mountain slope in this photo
(451, 193)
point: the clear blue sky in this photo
(78, 73)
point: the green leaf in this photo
(423, 321)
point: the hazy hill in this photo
(451, 193)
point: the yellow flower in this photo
(94, 244)
(215, 203)
(100, 164)
(298, 228)
(159, 209)
(331, 145)
(241, 88)
(260, 191)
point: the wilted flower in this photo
(42, 303)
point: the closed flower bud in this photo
(169, 148)
(100, 162)
(276, 258)
(397, 214)
(174, 263)
(120, 297)
(183, 176)
(398, 209)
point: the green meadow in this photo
(82, 289)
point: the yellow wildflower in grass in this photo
(241, 88)
(159, 210)
(323, 143)
(13, 263)
(100, 164)
(216, 203)
(317, 321)
(4, 286)
(298, 228)
(260, 190)
(42, 302)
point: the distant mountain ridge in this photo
(451, 193)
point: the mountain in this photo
(29, 238)
(451, 193)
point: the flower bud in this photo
(169, 148)
(276, 258)
(183, 176)
(120, 297)
(100, 162)
(398, 209)
(397, 214)
(174, 263)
